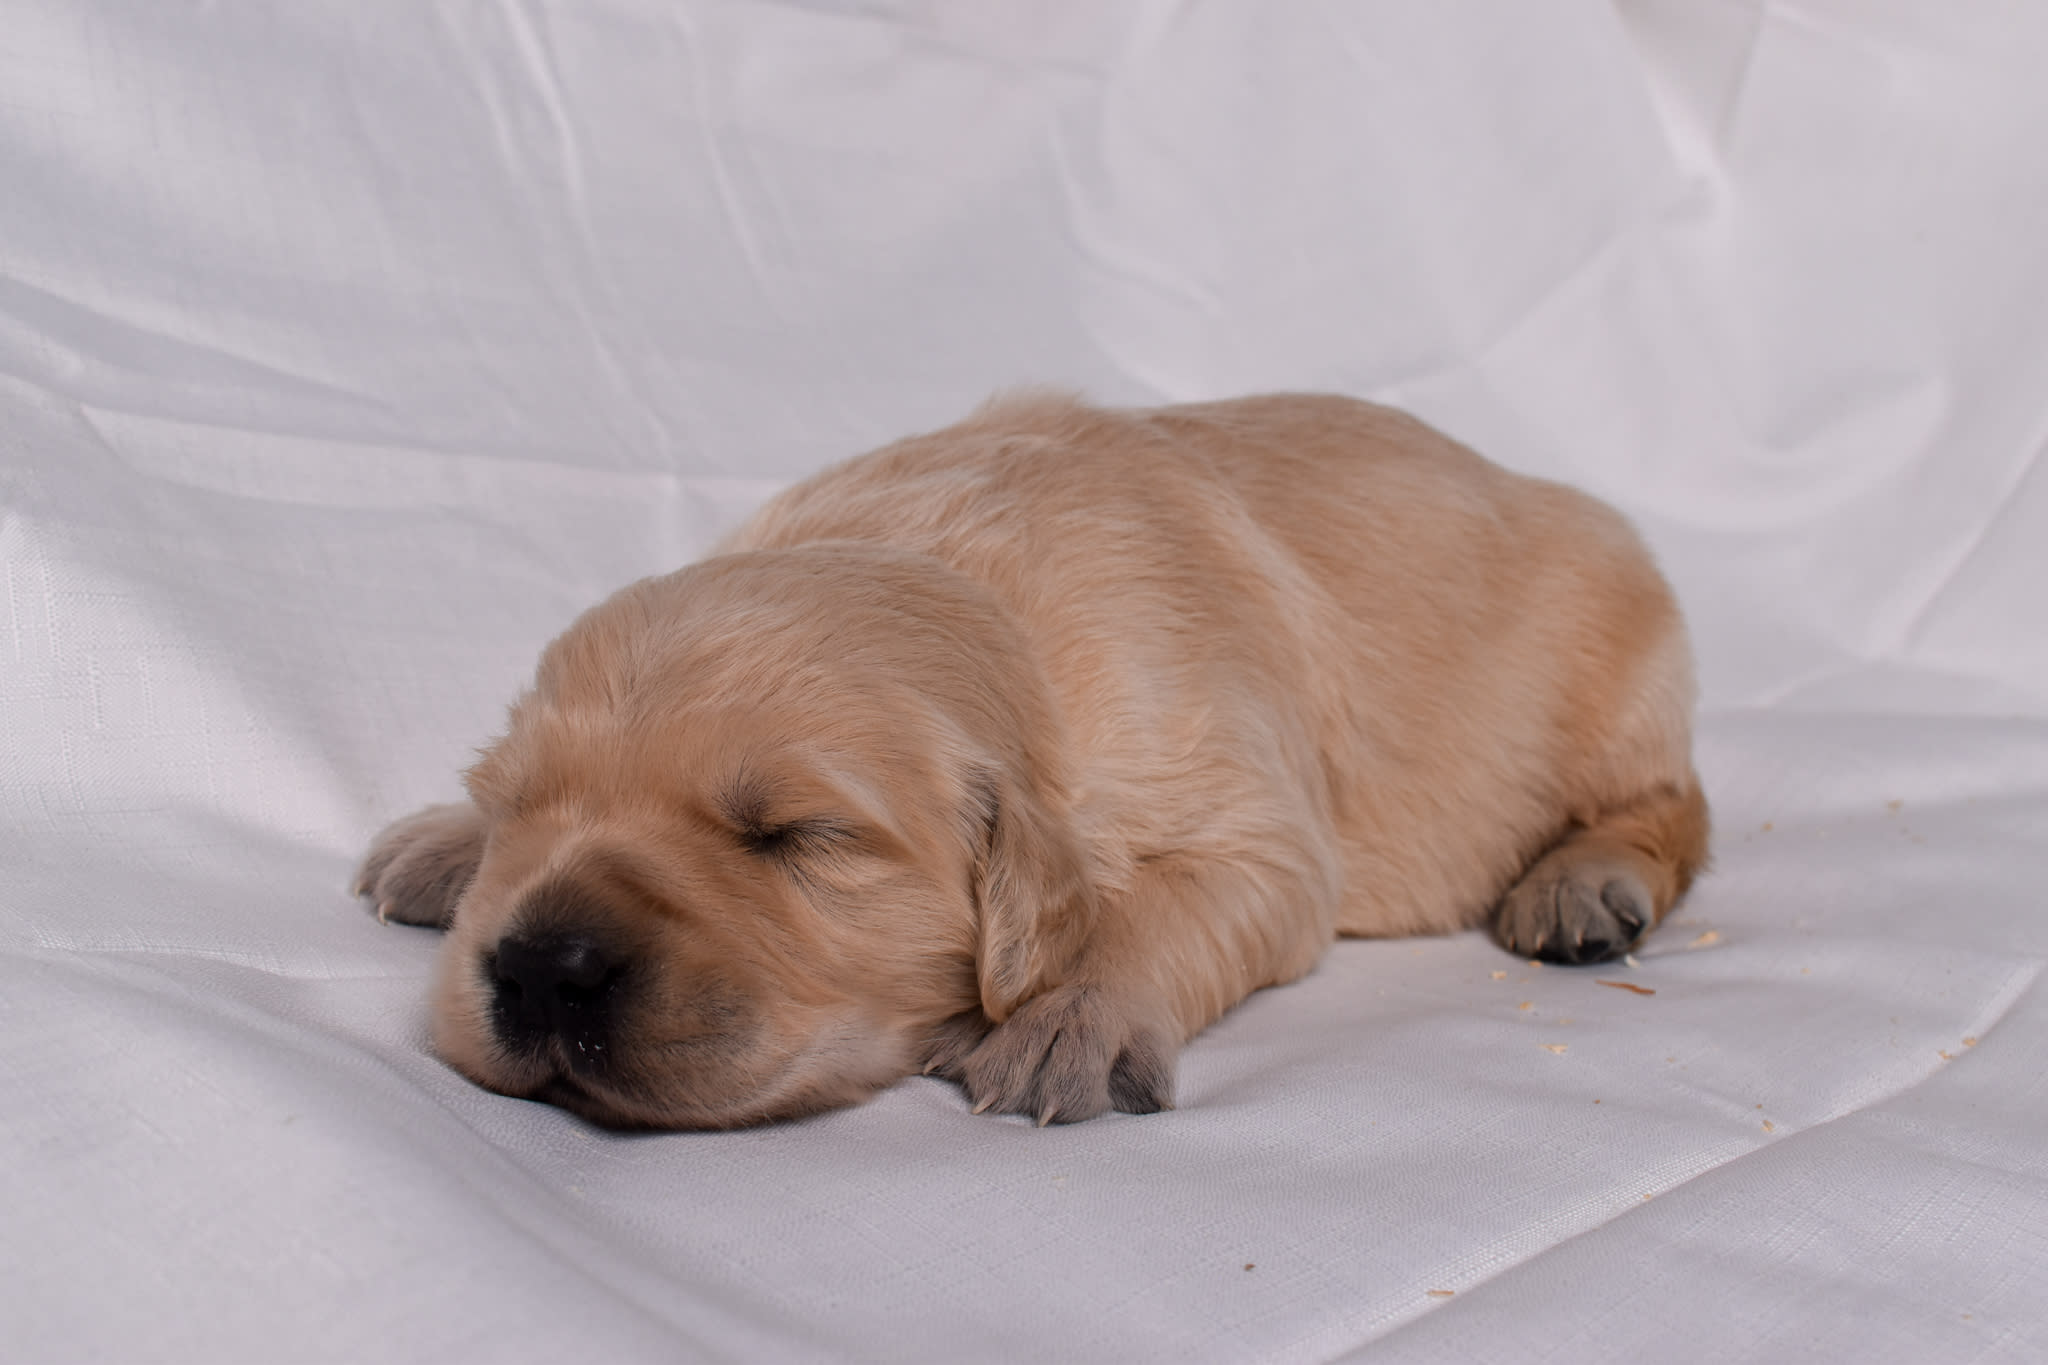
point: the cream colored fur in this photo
(1022, 750)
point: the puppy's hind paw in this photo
(1069, 1055)
(418, 867)
(1573, 909)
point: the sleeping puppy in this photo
(1021, 751)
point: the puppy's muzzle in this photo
(559, 988)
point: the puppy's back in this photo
(1442, 662)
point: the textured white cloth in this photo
(348, 348)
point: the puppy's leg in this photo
(418, 867)
(1188, 941)
(1595, 893)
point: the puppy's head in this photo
(760, 828)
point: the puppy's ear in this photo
(1033, 895)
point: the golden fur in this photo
(1022, 750)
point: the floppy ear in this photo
(1033, 896)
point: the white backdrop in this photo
(349, 347)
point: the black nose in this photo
(556, 986)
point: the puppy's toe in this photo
(1069, 1055)
(418, 867)
(1141, 1081)
(1574, 911)
(952, 1042)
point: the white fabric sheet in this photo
(349, 347)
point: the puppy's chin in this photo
(652, 1105)
(595, 1102)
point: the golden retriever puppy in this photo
(1020, 751)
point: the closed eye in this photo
(793, 839)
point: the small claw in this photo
(1045, 1114)
(1539, 941)
(982, 1105)
(361, 888)
(383, 912)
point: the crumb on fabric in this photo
(1500, 976)
(1526, 1005)
(1442, 1293)
(1558, 1048)
(1626, 986)
(1706, 940)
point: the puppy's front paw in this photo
(947, 1050)
(1069, 1055)
(1574, 909)
(419, 867)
